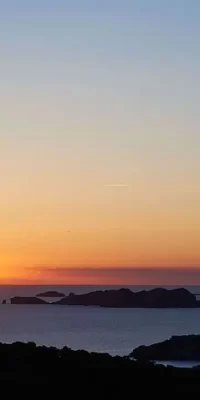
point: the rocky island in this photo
(122, 298)
(52, 293)
(125, 298)
(177, 348)
(27, 300)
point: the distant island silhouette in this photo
(52, 293)
(123, 298)
(27, 300)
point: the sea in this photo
(115, 331)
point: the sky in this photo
(99, 141)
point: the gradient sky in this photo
(99, 140)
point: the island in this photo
(121, 298)
(177, 348)
(27, 300)
(51, 294)
(125, 298)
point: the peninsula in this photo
(177, 348)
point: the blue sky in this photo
(96, 94)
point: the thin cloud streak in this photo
(119, 276)
(117, 185)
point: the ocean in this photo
(116, 331)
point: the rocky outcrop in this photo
(178, 348)
(125, 298)
(4, 302)
(27, 300)
(51, 294)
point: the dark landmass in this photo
(4, 302)
(51, 294)
(122, 298)
(27, 364)
(125, 298)
(178, 348)
(27, 300)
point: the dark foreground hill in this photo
(178, 348)
(125, 298)
(27, 364)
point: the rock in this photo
(51, 294)
(125, 298)
(4, 302)
(27, 300)
(177, 348)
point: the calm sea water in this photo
(116, 331)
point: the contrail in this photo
(117, 185)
